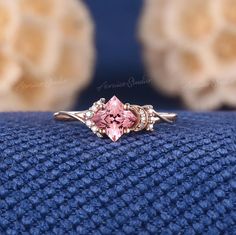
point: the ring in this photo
(115, 118)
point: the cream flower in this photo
(190, 50)
(49, 56)
(10, 71)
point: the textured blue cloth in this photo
(59, 178)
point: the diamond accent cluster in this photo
(115, 118)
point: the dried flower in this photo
(46, 53)
(190, 50)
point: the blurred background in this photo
(65, 54)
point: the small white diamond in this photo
(150, 126)
(89, 123)
(143, 118)
(152, 119)
(99, 135)
(94, 129)
(89, 114)
(98, 102)
(94, 108)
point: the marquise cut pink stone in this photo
(114, 118)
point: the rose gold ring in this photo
(115, 118)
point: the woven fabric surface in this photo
(59, 178)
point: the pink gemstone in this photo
(129, 119)
(99, 119)
(114, 131)
(114, 118)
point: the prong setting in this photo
(127, 106)
(103, 100)
(126, 130)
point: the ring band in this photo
(115, 118)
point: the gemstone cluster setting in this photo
(115, 118)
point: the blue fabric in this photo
(59, 178)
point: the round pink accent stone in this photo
(114, 118)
